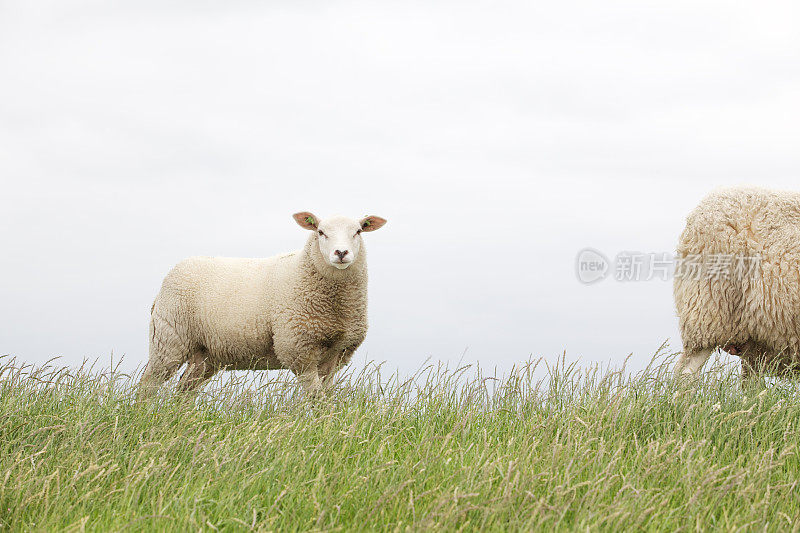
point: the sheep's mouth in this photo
(340, 264)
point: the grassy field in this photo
(577, 450)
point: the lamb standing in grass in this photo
(750, 312)
(304, 311)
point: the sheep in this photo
(305, 311)
(751, 307)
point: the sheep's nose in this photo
(341, 253)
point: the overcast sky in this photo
(498, 139)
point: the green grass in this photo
(576, 450)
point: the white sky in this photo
(498, 138)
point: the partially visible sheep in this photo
(305, 311)
(752, 307)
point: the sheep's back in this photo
(222, 304)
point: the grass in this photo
(452, 450)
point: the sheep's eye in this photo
(358, 232)
(320, 232)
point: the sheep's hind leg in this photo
(198, 371)
(750, 373)
(690, 363)
(156, 373)
(168, 351)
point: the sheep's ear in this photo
(306, 220)
(371, 223)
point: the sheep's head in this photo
(339, 238)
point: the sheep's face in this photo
(339, 238)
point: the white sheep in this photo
(738, 283)
(304, 311)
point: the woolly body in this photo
(752, 313)
(293, 311)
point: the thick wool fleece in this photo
(755, 315)
(292, 311)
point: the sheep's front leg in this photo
(333, 364)
(328, 370)
(302, 355)
(310, 381)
